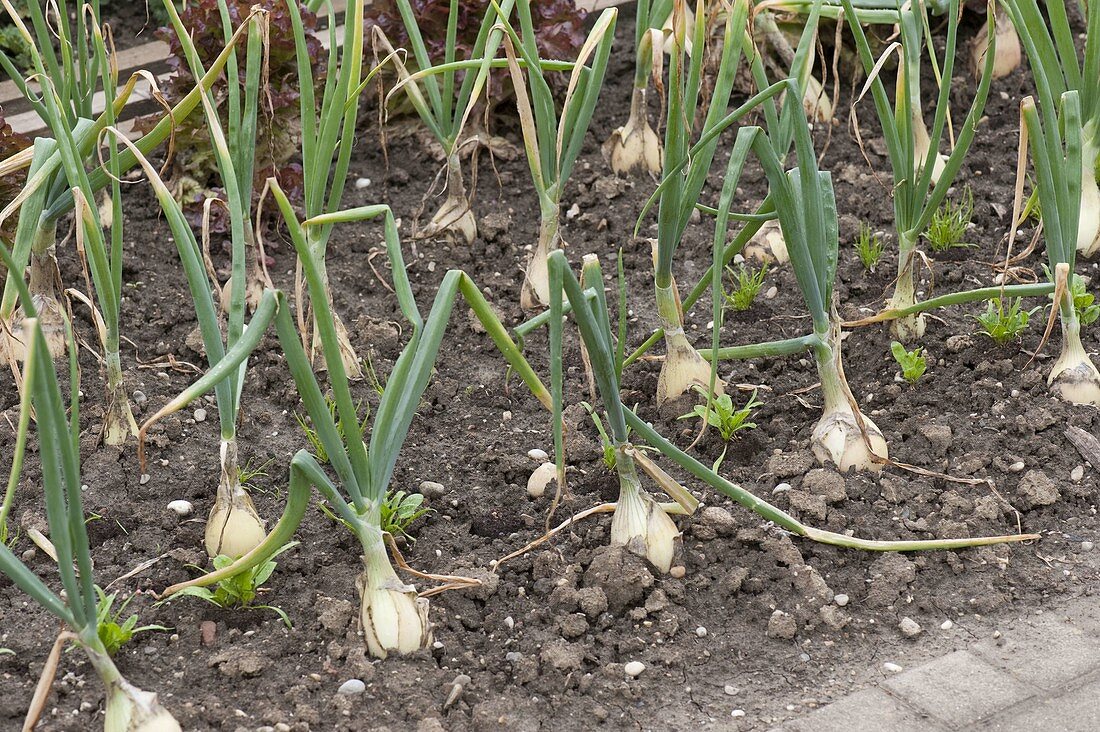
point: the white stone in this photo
(909, 627)
(891, 667)
(351, 686)
(634, 669)
(701, 632)
(1016, 467)
(737, 713)
(361, 183)
(946, 625)
(200, 415)
(1077, 474)
(537, 454)
(730, 690)
(180, 508)
(1086, 546)
(771, 293)
(536, 484)
(781, 488)
(841, 600)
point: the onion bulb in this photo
(683, 367)
(639, 523)
(51, 326)
(535, 290)
(921, 146)
(129, 709)
(1007, 54)
(394, 619)
(816, 103)
(768, 245)
(233, 528)
(1074, 377)
(1088, 226)
(837, 438)
(634, 146)
(455, 216)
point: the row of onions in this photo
(67, 172)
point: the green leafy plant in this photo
(399, 510)
(748, 284)
(114, 631)
(869, 247)
(1004, 324)
(314, 439)
(950, 222)
(1083, 302)
(913, 363)
(240, 590)
(720, 413)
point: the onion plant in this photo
(394, 620)
(128, 708)
(552, 142)
(328, 134)
(1055, 137)
(1051, 49)
(635, 145)
(683, 368)
(444, 98)
(921, 174)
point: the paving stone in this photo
(1048, 653)
(1075, 711)
(959, 689)
(870, 710)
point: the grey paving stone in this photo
(1077, 710)
(959, 689)
(1048, 652)
(870, 710)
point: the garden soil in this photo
(757, 631)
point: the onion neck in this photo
(683, 367)
(910, 327)
(118, 421)
(535, 290)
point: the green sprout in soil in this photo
(315, 442)
(113, 630)
(950, 222)
(748, 282)
(721, 415)
(399, 510)
(1004, 325)
(913, 363)
(240, 590)
(869, 247)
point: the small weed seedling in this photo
(315, 443)
(913, 363)
(1083, 303)
(869, 247)
(748, 283)
(240, 590)
(113, 631)
(399, 510)
(1001, 324)
(949, 224)
(722, 416)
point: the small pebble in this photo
(180, 508)
(200, 415)
(781, 488)
(891, 667)
(634, 669)
(771, 293)
(351, 686)
(996, 634)
(28, 555)
(737, 713)
(701, 632)
(1077, 473)
(139, 397)
(537, 454)
(677, 572)
(361, 183)
(730, 690)
(507, 416)
(841, 600)
(1016, 467)
(208, 630)
(510, 622)
(1086, 546)
(143, 479)
(431, 489)
(946, 625)
(909, 627)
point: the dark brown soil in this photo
(754, 624)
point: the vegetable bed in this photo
(762, 626)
